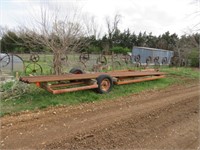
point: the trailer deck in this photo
(101, 81)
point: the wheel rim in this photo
(36, 69)
(34, 57)
(5, 60)
(105, 84)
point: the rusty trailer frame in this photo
(101, 81)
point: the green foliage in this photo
(14, 89)
(6, 86)
(12, 42)
(94, 49)
(126, 50)
(117, 49)
(167, 41)
(194, 57)
(120, 50)
(8, 41)
(19, 49)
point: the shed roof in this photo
(153, 49)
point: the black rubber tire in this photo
(76, 71)
(104, 79)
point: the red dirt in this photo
(165, 119)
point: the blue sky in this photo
(156, 16)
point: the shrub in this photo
(194, 57)
(94, 49)
(120, 50)
(13, 89)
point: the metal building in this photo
(146, 55)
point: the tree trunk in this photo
(57, 62)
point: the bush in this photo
(6, 86)
(94, 49)
(194, 57)
(120, 50)
(13, 89)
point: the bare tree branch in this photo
(60, 34)
(112, 26)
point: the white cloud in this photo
(156, 16)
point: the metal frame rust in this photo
(57, 84)
(51, 88)
(138, 80)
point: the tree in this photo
(167, 41)
(112, 27)
(151, 41)
(141, 39)
(8, 41)
(187, 49)
(59, 32)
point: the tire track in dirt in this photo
(154, 129)
(70, 127)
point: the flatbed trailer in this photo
(101, 81)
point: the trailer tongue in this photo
(103, 82)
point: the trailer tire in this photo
(76, 71)
(105, 84)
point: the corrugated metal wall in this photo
(145, 53)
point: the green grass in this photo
(192, 73)
(36, 98)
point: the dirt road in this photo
(165, 119)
